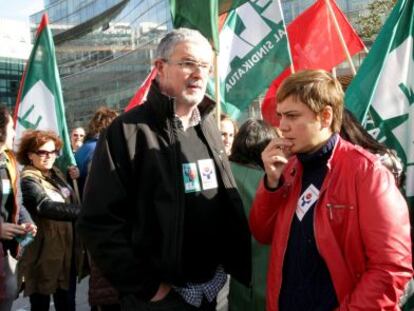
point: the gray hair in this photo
(167, 44)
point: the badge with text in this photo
(208, 174)
(190, 176)
(306, 200)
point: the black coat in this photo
(46, 263)
(132, 216)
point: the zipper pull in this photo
(329, 206)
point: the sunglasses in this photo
(44, 153)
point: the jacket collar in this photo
(336, 155)
(163, 105)
(339, 144)
(33, 171)
(296, 169)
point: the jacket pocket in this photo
(339, 213)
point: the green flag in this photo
(202, 15)
(253, 50)
(40, 101)
(381, 95)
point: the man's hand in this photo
(275, 157)
(162, 292)
(9, 231)
(73, 172)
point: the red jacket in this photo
(361, 226)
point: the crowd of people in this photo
(305, 216)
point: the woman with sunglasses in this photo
(47, 264)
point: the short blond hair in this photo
(316, 89)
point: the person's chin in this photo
(292, 150)
(195, 92)
(193, 100)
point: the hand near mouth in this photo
(275, 157)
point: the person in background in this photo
(102, 296)
(161, 214)
(354, 132)
(48, 264)
(228, 129)
(77, 137)
(337, 224)
(247, 167)
(15, 222)
(100, 121)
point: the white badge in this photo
(208, 174)
(306, 200)
(6, 186)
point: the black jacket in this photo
(46, 263)
(132, 216)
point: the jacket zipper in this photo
(178, 215)
(317, 207)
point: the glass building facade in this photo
(105, 47)
(11, 71)
(104, 50)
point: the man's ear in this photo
(159, 64)
(326, 116)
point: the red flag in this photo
(314, 44)
(142, 92)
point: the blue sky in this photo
(19, 9)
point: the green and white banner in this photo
(253, 51)
(381, 95)
(40, 101)
(202, 15)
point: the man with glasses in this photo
(162, 217)
(76, 138)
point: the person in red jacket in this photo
(337, 224)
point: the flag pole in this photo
(341, 37)
(217, 88)
(76, 190)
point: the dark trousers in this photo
(172, 302)
(71, 300)
(41, 302)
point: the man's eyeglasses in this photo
(190, 66)
(44, 153)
